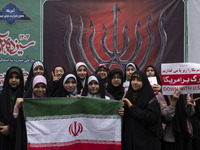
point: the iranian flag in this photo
(73, 124)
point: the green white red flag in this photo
(73, 124)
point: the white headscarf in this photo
(37, 63)
(80, 64)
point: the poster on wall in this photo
(20, 37)
(111, 32)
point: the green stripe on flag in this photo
(69, 106)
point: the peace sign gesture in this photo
(176, 95)
(191, 101)
(55, 79)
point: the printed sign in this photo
(180, 76)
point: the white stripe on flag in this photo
(74, 129)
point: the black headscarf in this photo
(107, 70)
(79, 83)
(156, 74)
(142, 97)
(16, 140)
(6, 104)
(141, 127)
(116, 92)
(101, 87)
(53, 87)
(31, 75)
(54, 70)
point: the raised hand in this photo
(176, 95)
(191, 101)
(55, 79)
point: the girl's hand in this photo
(157, 87)
(126, 101)
(121, 111)
(176, 95)
(190, 100)
(55, 79)
(79, 96)
(4, 130)
(18, 103)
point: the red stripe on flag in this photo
(77, 146)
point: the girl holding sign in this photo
(151, 71)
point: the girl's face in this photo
(93, 87)
(136, 83)
(38, 71)
(150, 72)
(82, 72)
(14, 80)
(102, 72)
(39, 90)
(58, 72)
(129, 71)
(116, 80)
(70, 85)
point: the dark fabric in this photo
(195, 120)
(183, 139)
(101, 87)
(16, 140)
(180, 129)
(54, 87)
(79, 84)
(156, 74)
(116, 92)
(168, 146)
(141, 127)
(61, 92)
(105, 81)
(31, 75)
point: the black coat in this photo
(141, 127)
(16, 140)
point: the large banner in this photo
(20, 35)
(113, 32)
(72, 123)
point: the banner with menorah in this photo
(113, 32)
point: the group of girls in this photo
(149, 119)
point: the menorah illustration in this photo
(115, 55)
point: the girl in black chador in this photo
(115, 84)
(12, 130)
(142, 117)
